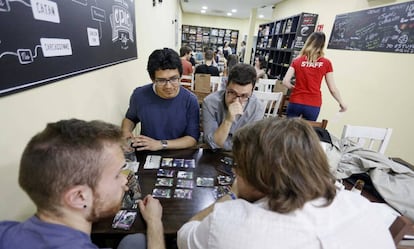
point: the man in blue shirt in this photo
(169, 114)
(72, 171)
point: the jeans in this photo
(136, 241)
(307, 112)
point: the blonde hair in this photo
(313, 48)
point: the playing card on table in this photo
(205, 181)
(166, 172)
(178, 162)
(220, 191)
(183, 193)
(185, 174)
(189, 163)
(166, 162)
(161, 192)
(183, 183)
(224, 180)
(166, 182)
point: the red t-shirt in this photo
(309, 77)
(187, 67)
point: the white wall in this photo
(102, 94)
(377, 86)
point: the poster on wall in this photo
(383, 29)
(42, 41)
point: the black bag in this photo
(323, 135)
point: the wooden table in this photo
(178, 211)
(175, 211)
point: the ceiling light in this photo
(203, 11)
(204, 7)
(229, 14)
(234, 10)
(261, 16)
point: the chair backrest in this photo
(187, 81)
(369, 137)
(271, 101)
(202, 83)
(400, 227)
(265, 85)
(215, 82)
(321, 124)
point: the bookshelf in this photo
(200, 38)
(281, 40)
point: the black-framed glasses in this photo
(234, 95)
(172, 80)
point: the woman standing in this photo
(310, 68)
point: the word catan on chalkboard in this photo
(42, 41)
(385, 29)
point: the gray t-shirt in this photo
(214, 112)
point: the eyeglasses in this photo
(233, 95)
(173, 80)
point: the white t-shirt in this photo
(349, 222)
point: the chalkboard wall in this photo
(42, 41)
(385, 29)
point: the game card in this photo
(124, 219)
(161, 192)
(183, 183)
(165, 182)
(166, 172)
(185, 174)
(166, 162)
(224, 180)
(220, 191)
(183, 193)
(189, 163)
(178, 162)
(205, 181)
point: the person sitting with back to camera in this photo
(208, 67)
(227, 110)
(169, 114)
(284, 196)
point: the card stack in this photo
(172, 169)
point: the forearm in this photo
(181, 143)
(127, 126)
(155, 235)
(288, 77)
(332, 88)
(222, 132)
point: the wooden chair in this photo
(400, 227)
(271, 101)
(265, 85)
(187, 81)
(321, 124)
(368, 137)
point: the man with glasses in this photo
(227, 110)
(169, 114)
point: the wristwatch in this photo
(164, 144)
